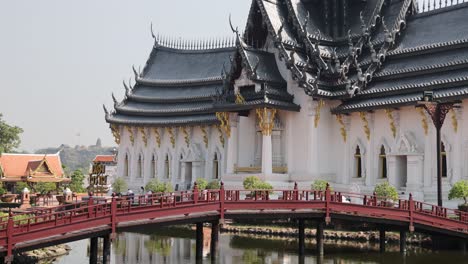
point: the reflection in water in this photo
(178, 246)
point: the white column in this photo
(267, 157)
(266, 119)
(232, 144)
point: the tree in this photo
(459, 191)
(19, 187)
(9, 136)
(385, 190)
(119, 185)
(77, 179)
(45, 187)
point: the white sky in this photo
(60, 60)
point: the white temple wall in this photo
(248, 144)
(196, 161)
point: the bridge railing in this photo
(94, 209)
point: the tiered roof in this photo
(31, 168)
(176, 86)
(368, 54)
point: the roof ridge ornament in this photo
(115, 100)
(105, 110)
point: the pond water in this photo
(178, 246)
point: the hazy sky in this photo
(60, 60)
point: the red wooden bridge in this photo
(43, 227)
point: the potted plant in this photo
(386, 193)
(254, 183)
(320, 185)
(460, 191)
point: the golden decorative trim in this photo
(170, 131)
(239, 98)
(186, 136)
(365, 124)
(116, 133)
(318, 109)
(158, 136)
(281, 170)
(423, 120)
(266, 118)
(389, 113)
(205, 135)
(130, 134)
(221, 136)
(339, 118)
(143, 135)
(454, 121)
(223, 117)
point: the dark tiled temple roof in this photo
(261, 69)
(427, 58)
(390, 56)
(176, 86)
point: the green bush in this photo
(213, 185)
(250, 182)
(459, 191)
(263, 186)
(156, 186)
(2, 190)
(119, 185)
(386, 190)
(320, 185)
(201, 183)
(254, 183)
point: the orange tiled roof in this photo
(104, 158)
(20, 165)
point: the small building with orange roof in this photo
(30, 168)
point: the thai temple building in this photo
(312, 89)
(30, 168)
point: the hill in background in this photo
(78, 157)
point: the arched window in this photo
(382, 163)
(140, 166)
(126, 166)
(153, 167)
(166, 167)
(215, 166)
(358, 162)
(443, 154)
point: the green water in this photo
(178, 246)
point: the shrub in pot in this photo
(387, 193)
(460, 191)
(320, 185)
(213, 185)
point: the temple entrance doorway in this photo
(188, 175)
(401, 176)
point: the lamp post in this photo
(437, 110)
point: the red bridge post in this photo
(195, 193)
(10, 226)
(327, 204)
(90, 204)
(411, 212)
(113, 217)
(222, 196)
